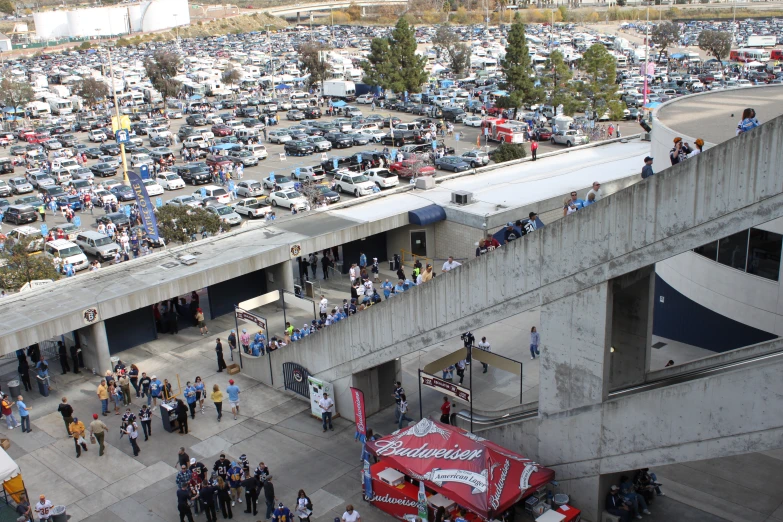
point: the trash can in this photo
(58, 514)
(43, 385)
(14, 388)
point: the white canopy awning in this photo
(8, 468)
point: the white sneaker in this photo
(532, 358)
(233, 504)
(10, 427)
(239, 500)
(647, 512)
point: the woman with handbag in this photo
(304, 506)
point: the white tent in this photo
(754, 64)
(8, 468)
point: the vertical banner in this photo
(357, 397)
(146, 210)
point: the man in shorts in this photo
(43, 508)
(233, 397)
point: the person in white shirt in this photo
(133, 433)
(43, 508)
(484, 345)
(323, 306)
(327, 407)
(595, 190)
(353, 272)
(368, 288)
(351, 515)
(450, 264)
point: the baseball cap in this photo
(648, 158)
(192, 460)
(231, 381)
(614, 488)
(510, 224)
(154, 376)
(94, 415)
(75, 419)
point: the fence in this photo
(409, 258)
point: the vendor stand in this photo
(458, 470)
(11, 475)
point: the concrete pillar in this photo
(632, 321)
(95, 348)
(574, 373)
(280, 277)
(298, 18)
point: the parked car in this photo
(20, 185)
(248, 188)
(153, 189)
(287, 198)
(298, 148)
(97, 244)
(184, 201)
(382, 177)
(226, 214)
(569, 138)
(280, 181)
(309, 173)
(476, 158)
(353, 183)
(169, 181)
(103, 170)
(123, 193)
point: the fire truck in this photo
(502, 130)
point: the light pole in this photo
(116, 112)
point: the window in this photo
(732, 250)
(764, 253)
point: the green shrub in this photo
(508, 152)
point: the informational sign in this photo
(203, 192)
(125, 123)
(272, 176)
(449, 388)
(317, 390)
(250, 317)
(126, 209)
(36, 283)
(158, 202)
(297, 172)
(434, 145)
(44, 229)
(122, 136)
(334, 163)
(77, 221)
(90, 315)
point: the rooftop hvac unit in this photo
(425, 183)
(460, 197)
(188, 259)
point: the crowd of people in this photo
(632, 497)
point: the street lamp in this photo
(116, 110)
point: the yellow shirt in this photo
(217, 396)
(103, 393)
(76, 429)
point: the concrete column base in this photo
(95, 348)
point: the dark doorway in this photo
(223, 296)
(371, 246)
(131, 329)
(419, 243)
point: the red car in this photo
(37, 138)
(219, 161)
(542, 134)
(221, 130)
(405, 169)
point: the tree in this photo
(600, 68)
(408, 67)
(557, 79)
(231, 76)
(518, 69)
(716, 43)
(92, 91)
(312, 57)
(664, 35)
(22, 266)
(508, 152)
(178, 223)
(446, 43)
(15, 93)
(161, 69)
(7, 7)
(459, 59)
(378, 66)
(393, 62)
(85, 45)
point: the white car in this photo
(214, 119)
(472, 121)
(153, 189)
(173, 114)
(283, 182)
(300, 104)
(320, 143)
(170, 181)
(382, 178)
(249, 188)
(226, 214)
(137, 160)
(184, 201)
(365, 99)
(287, 198)
(103, 197)
(279, 137)
(298, 94)
(97, 135)
(284, 105)
(375, 135)
(108, 185)
(252, 208)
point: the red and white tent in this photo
(473, 472)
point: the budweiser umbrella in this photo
(471, 471)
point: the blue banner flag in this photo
(145, 206)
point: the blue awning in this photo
(426, 215)
(339, 103)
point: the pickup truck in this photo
(252, 208)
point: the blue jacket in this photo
(190, 394)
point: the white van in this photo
(259, 151)
(68, 252)
(195, 141)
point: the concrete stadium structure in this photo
(601, 410)
(144, 16)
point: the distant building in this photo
(5, 43)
